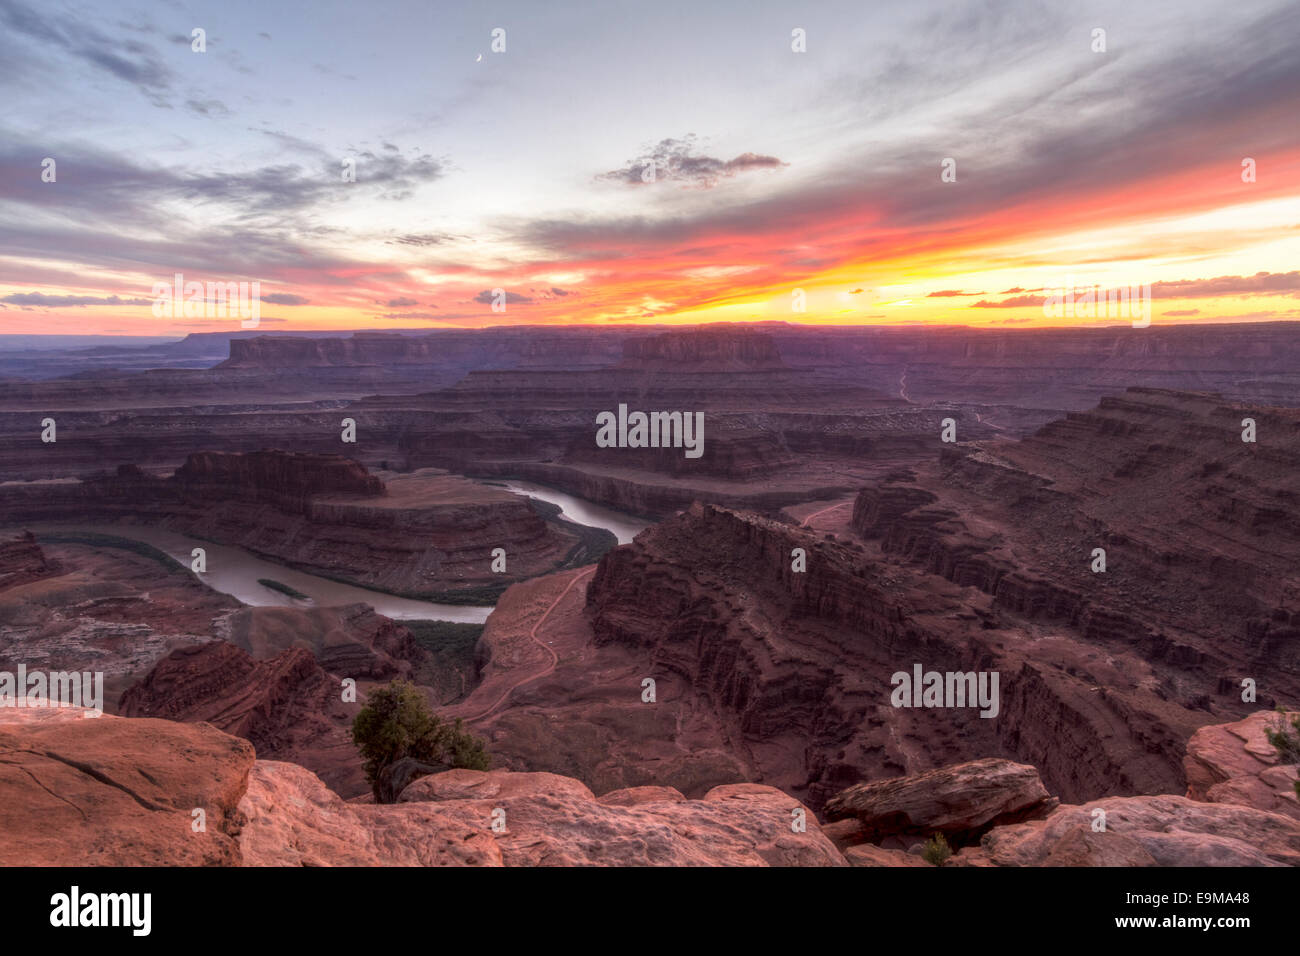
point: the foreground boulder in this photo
(1235, 763)
(446, 819)
(107, 791)
(962, 801)
(1159, 830)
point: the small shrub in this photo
(397, 722)
(1286, 742)
(936, 850)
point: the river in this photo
(581, 511)
(234, 571)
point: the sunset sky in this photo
(523, 170)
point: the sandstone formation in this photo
(1161, 830)
(1235, 763)
(105, 609)
(288, 707)
(978, 562)
(123, 791)
(22, 560)
(275, 680)
(1198, 549)
(962, 802)
(350, 640)
(106, 791)
(284, 390)
(716, 348)
(421, 534)
(119, 791)
(294, 821)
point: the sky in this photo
(393, 165)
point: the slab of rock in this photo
(493, 785)
(635, 796)
(1162, 830)
(962, 801)
(292, 819)
(1235, 763)
(399, 775)
(107, 791)
(446, 819)
(870, 855)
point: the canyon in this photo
(1098, 538)
(424, 534)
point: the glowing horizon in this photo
(526, 170)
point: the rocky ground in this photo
(141, 791)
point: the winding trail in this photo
(550, 668)
(806, 522)
(902, 385)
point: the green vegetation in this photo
(450, 671)
(283, 589)
(448, 639)
(1287, 742)
(112, 541)
(397, 722)
(936, 850)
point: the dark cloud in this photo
(423, 239)
(60, 301)
(1015, 302)
(116, 187)
(487, 298)
(1173, 312)
(950, 293)
(285, 298)
(208, 107)
(676, 160)
(1261, 283)
(401, 303)
(132, 61)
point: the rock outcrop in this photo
(276, 475)
(105, 609)
(115, 791)
(105, 791)
(548, 821)
(1161, 830)
(287, 706)
(963, 802)
(711, 348)
(424, 534)
(1235, 763)
(1197, 539)
(22, 560)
